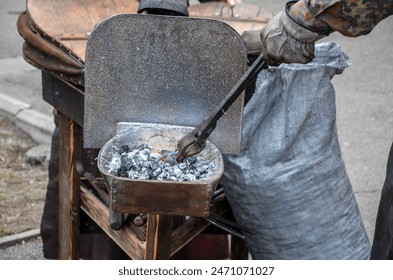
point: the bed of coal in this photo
(146, 163)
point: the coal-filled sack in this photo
(289, 183)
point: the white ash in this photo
(146, 163)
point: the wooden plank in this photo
(194, 226)
(79, 48)
(63, 96)
(124, 7)
(186, 232)
(161, 197)
(244, 16)
(98, 10)
(125, 237)
(158, 237)
(43, 14)
(265, 16)
(74, 18)
(251, 11)
(69, 21)
(69, 200)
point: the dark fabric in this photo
(50, 217)
(382, 248)
(92, 246)
(47, 54)
(167, 7)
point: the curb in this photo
(17, 238)
(38, 125)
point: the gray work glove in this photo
(285, 41)
(252, 41)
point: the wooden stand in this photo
(160, 240)
(66, 24)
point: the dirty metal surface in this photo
(158, 196)
(162, 69)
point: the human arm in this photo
(290, 36)
(349, 17)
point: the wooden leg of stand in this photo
(238, 249)
(158, 237)
(69, 184)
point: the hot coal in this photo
(146, 163)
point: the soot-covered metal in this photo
(162, 69)
(130, 195)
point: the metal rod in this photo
(230, 223)
(195, 141)
(223, 227)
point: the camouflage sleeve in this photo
(349, 17)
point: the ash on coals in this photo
(145, 163)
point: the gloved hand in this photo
(252, 41)
(285, 41)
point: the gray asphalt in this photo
(364, 105)
(25, 250)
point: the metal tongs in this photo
(195, 141)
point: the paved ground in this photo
(23, 246)
(25, 250)
(364, 100)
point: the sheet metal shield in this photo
(162, 69)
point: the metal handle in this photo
(195, 141)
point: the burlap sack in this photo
(289, 184)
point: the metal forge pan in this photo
(152, 196)
(162, 69)
(154, 70)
